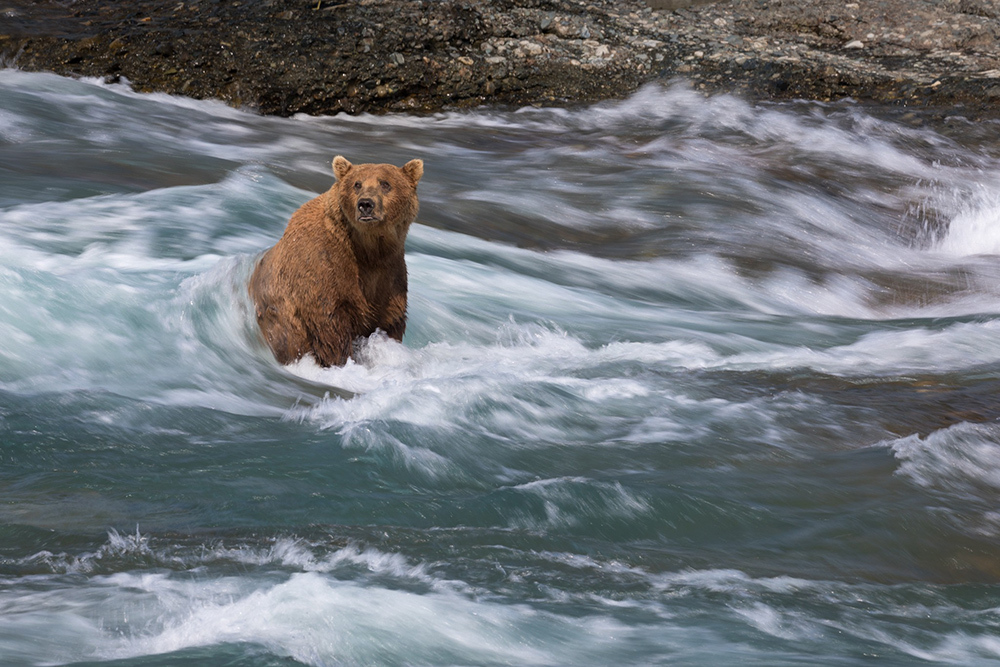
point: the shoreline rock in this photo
(327, 56)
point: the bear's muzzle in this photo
(370, 210)
(366, 210)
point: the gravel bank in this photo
(326, 56)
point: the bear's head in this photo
(378, 200)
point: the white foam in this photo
(309, 616)
(318, 620)
(959, 648)
(125, 232)
(13, 129)
(572, 501)
(962, 459)
(647, 296)
(733, 582)
(818, 615)
(789, 626)
(364, 606)
(959, 346)
(975, 227)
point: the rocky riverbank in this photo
(326, 56)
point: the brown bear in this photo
(338, 272)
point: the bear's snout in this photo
(366, 208)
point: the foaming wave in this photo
(184, 228)
(834, 611)
(814, 136)
(90, 333)
(580, 292)
(571, 501)
(310, 616)
(963, 459)
(124, 551)
(530, 387)
(119, 550)
(13, 129)
(364, 606)
(962, 345)
(975, 228)
(520, 388)
(957, 467)
(319, 620)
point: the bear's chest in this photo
(380, 284)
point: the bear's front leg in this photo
(394, 320)
(332, 337)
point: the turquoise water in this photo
(686, 381)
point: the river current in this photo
(686, 381)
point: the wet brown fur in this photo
(334, 276)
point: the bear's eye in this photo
(385, 186)
(357, 186)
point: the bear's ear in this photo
(340, 167)
(414, 169)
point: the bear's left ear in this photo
(340, 167)
(414, 169)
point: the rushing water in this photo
(686, 381)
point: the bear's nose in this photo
(365, 207)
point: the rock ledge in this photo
(326, 56)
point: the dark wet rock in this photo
(324, 56)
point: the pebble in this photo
(532, 48)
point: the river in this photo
(686, 381)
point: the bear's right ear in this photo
(340, 167)
(414, 169)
